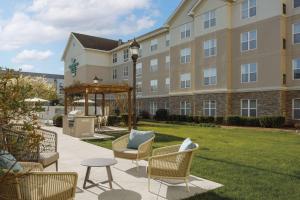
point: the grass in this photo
(250, 163)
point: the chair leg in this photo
(149, 183)
(187, 185)
(137, 166)
(56, 165)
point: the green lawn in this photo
(251, 164)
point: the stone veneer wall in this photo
(290, 95)
(268, 102)
(220, 98)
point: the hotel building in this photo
(210, 58)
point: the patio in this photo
(128, 184)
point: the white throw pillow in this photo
(186, 144)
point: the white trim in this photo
(210, 107)
(293, 32)
(294, 5)
(293, 108)
(249, 81)
(248, 41)
(293, 69)
(248, 107)
(248, 9)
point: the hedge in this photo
(268, 122)
(161, 115)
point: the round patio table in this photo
(98, 162)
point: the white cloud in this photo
(26, 67)
(29, 55)
(45, 21)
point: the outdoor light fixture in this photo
(134, 51)
(96, 80)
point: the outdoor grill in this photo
(72, 115)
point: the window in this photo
(296, 33)
(115, 57)
(185, 31)
(153, 65)
(210, 48)
(185, 55)
(284, 43)
(284, 8)
(296, 3)
(139, 87)
(248, 40)
(210, 76)
(296, 69)
(139, 69)
(248, 73)
(167, 60)
(125, 54)
(185, 80)
(167, 83)
(248, 9)
(153, 85)
(61, 88)
(249, 107)
(167, 40)
(115, 74)
(209, 19)
(185, 108)
(296, 109)
(125, 72)
(153, 45)
(209, 108)
(153, 107)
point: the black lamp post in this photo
(95, 81)
(134, 50)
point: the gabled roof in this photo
(93, 42)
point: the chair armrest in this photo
(166, 150)
(120, 142)
(31, 166)
(145, 149)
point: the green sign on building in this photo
(73, 66)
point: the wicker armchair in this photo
(44, 153)
(33, 184)
(119, 147)
(168, 163)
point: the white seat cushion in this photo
(47, 159)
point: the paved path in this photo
(128, 184)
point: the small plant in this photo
(272, 122)
(161, 115)
(57, 120)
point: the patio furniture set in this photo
(28, 180)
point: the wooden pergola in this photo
(97, 88)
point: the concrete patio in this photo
(128, 184)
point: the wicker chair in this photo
(168, 163)
(44, 153)
(34, 184)
(119, 147)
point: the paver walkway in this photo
(128, 184)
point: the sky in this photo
(34, 33)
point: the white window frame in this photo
(248, 41)
(185, 108)
(125, 71)
(115, 74)
(139, 69)
(248, 107)
(294, 5)
(212, 72)
(293, 35)
(153, 45)
(293, 108)
(139, 87)
(185, 31)
(154, 65)
(185, 55)
(248, 65)
(167, 61)
(248, 9)
(209, 17)
(154, 85)
(185, 80)
(210, 108)
(167, 83)
(209, 45)
(125, 55)
(168, 40)
(115, 57)
(152, 107)
(295, 67)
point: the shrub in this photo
(113, 120)
(206, 119)
(272, 122)
(144, 114)
(124, 119)
(250, 121)
(57, 120)
(161, 115)
(219, 120)
(233, 120)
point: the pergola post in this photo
(129, 110)
(86, 103)
(66, 103)
(103, 104)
